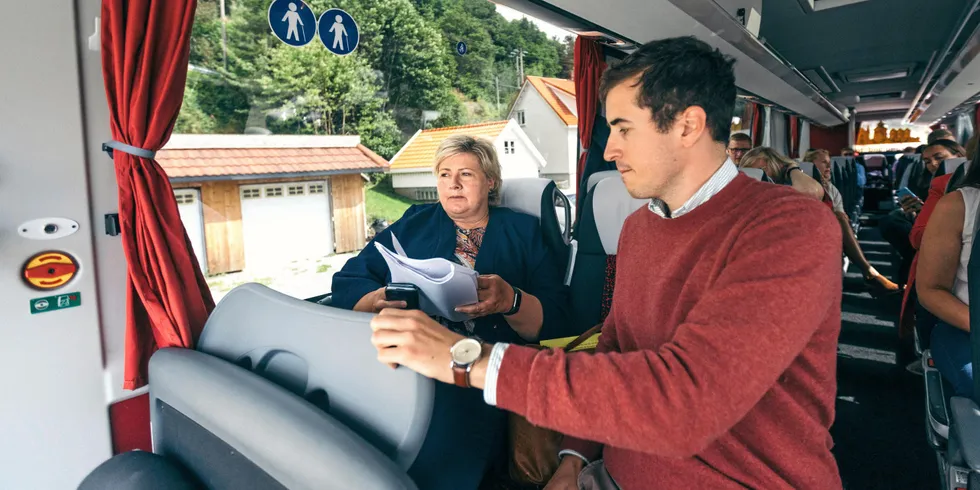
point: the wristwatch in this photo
(464, 353)
(518, 295)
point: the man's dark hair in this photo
(740, 137)
(908, 149)
(955, 148)
(675, 74)
(940, 134)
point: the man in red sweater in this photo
(716, 367)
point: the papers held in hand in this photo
(443, 285)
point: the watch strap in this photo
(461, 375)
(518, 295)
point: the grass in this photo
(322, 268)
(383, 203)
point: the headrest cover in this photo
(524, 195)
(612, 204)
(598, 176)
(755, 173)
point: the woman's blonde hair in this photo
(811, 156)
(775, 162)
(484, 152)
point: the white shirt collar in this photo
(721, 178)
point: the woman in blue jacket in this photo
(522, 298)
(521, 291)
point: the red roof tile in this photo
(216, 162)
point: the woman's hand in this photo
(495, 295)
(911, 204)
(375, 301)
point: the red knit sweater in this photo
(718, 360)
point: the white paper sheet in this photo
(443, 285)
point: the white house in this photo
(411, 167)
(545, 109)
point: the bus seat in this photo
(912, 171)
(596, 177)
(311, 350)
(958, 175)
(949, 166)
(810, 169)
(540, 198)
(755, 173)
(902, 166)
(139, 470)
(605, 209)
(874, 162)
(938, 392)
(234, 429)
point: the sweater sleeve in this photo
(608, 342)
(936, 192)
(731, 349)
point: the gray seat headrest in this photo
(951, 164)
(808, 168)
(611, 205)
(523, 195)
(755, 173)
(308, 348)
(598, 176)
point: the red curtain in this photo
(145, 49)
(976, 119)
(589, 65)
(757, 124)
(794, 137)
(830, 139)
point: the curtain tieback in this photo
(111, 145)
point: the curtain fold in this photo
(757, 125)
(145, 50)
(794, 137)
(589, 65)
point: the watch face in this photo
(466, 351)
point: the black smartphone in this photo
(409, 293)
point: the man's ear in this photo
(693, 122)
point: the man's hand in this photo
(413, 340)
(566, 477)
(375, 301)
(911, 204)
(496, 296)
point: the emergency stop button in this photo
(50, 270)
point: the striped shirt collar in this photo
(722, 177)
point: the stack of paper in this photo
(443, 285)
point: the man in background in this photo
(738, 144)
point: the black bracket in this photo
(108, 149)
(112, 224)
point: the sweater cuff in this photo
(513, 379)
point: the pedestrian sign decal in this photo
(338, 32)
(55, 303)
(461, 48)
(292, 21)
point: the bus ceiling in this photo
(823, 63)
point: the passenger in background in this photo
(781, 170)
(940, 134)
(896, 227)
(911, 313)
(738, 144)
(877, 283)
(942, 280)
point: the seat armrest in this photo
(964, 433)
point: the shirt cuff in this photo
(493, 369)
(570, 452)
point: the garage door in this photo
(189, 205)
(282, 223)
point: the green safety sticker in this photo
(52, 303)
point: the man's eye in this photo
(623, 131)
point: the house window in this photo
(296, 190)
(316, 188)
(509, 148)
(251, 193)
(273, 192)
(426, 195)
(185, 198)
(520, 118)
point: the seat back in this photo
(810, 169)
(913, 167)
(234, 429)
(599, 176)
(949, 166)
(875, 162)
(606, 208)
(755, 173)
(958, 175)
(312, 351)
(542, 199)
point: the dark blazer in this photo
(512, 248)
